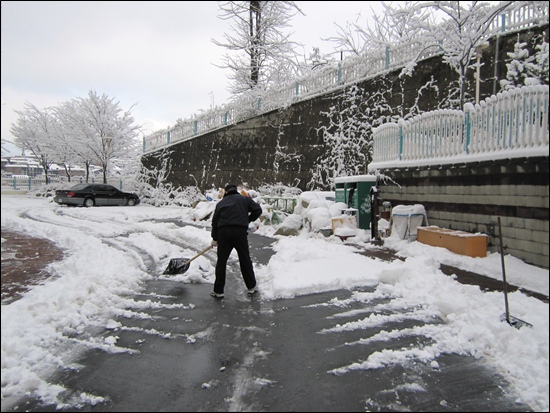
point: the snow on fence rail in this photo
(511, 124)
(327, 78)
(519, 18)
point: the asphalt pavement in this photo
(245, 353)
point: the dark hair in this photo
(230, 187)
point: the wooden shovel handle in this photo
(199, 254)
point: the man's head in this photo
(230, 188)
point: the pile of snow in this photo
(315, 211)
(313, 207)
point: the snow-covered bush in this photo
(278, 190)
(203, 210)
(317, 208)
(290, 226)
(318, 218)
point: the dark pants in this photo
(228, 238)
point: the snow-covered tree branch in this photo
(260, 52)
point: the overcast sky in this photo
(157, 55)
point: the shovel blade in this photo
(514, 321)
(177, 266)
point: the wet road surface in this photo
(24, 263)
(244, 353)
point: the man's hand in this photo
(214, 244)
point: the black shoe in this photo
(217, 295)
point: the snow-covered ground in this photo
(110, 253)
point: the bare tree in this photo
(109, 131)
(5, 148)
(91, 130)
(391, 27)
(260, 52)
(78, 133)
(464, 29)
(61, 139)
(456, 28)
(33, 131)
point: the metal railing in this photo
(280, 203)
(326, 79)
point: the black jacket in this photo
(235, 210)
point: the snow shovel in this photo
(180, 265)
(513, 321)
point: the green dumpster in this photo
(355, 191)
(340, 190)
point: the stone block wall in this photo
(471, 197)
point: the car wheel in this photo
(89, 202)
(131, 202)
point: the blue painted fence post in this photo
(400, 142)
(339, 72)
(144, 144)
(225, 118)
(387, 57)
(168, 137)
(14, 182)
(467, 128)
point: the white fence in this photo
(509, 125)
(328, 78)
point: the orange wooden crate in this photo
(459, 242)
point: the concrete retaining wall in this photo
(284, 146)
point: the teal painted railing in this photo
(513, 124)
